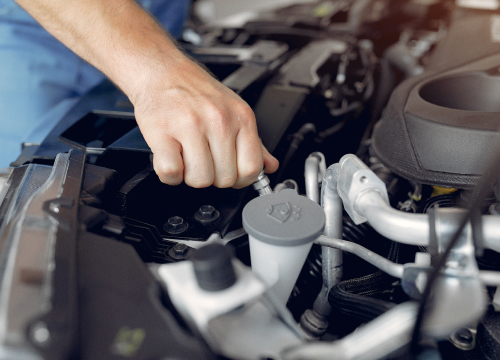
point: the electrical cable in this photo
(481, 191)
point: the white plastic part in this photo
(278, 266)
(198, 305)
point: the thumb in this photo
(270, 162)
(167, 160)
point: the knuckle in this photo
(171, 180)
(191, 121)
(218, 121)
(216, 113)
(246, 111)
(221, 129)
(225, 182)
(199, 183)
(250, 171)
(168, 170)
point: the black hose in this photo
(386, 85)
(352, 297)
(310, 279)
(443, 201)
(297, 139)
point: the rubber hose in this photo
(352, 297)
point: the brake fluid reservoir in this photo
(281, 227)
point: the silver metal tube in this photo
(331, 258)
(409, 228)
(375, 340)
(315, 321)
(365, 199)
(332, 205)
(489, 278)
(380, 262)
(406, 228)
(311, 177)
(287, 184)
(491, 232)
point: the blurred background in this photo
(214, 11)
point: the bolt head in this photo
(207, 211)
(175, 221)
(206, 214)
(175, 225)
(180, 249)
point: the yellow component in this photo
(128, 341)
(416, 198)
(442, 191)
(323, 9)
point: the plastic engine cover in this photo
(439, 128)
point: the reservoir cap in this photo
(283, 219)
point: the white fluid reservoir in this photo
(281, 227)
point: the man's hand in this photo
(199, 130)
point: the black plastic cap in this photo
(213, 267)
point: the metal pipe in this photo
(332, 205)
(315, 321)
(365, 199)
(491, 232)
(489, 278)
(311, 177)
(287, 184)
(409, 228)
(380, 262)
(406, 228)
(332, 259)
(374, 340)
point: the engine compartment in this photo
(382, 113)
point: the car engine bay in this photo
(377, 238)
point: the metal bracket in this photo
(354, 179)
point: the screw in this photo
(206, 214)
(175, 225)
(180, 249)
(207, 211)
(175, 221)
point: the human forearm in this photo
(198, 130)
(116, 36)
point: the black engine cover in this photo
(439, 128)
